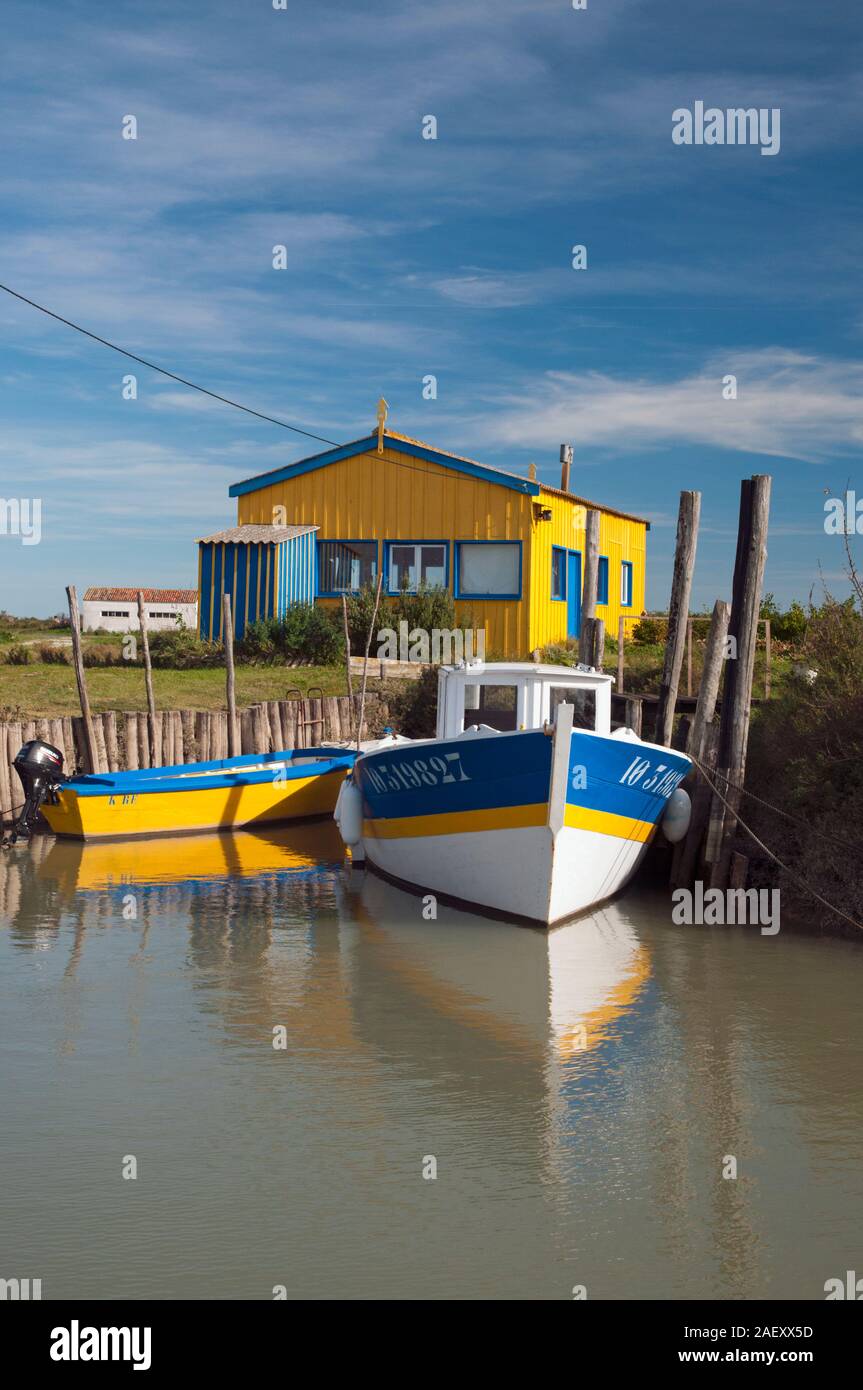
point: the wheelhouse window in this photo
(602, 581)
(488, 569)
(344, 567)
(496, 706)
(583, 705)
(626, 584)
(558, 572)
(416, 564)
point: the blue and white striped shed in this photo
(265, 569)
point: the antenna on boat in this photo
(383, 411)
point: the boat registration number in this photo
(419, 772)
(649, 777)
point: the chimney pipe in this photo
(565, 465)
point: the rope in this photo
(792, 873)
(795, 820)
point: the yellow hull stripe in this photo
(219, 808)
(506, 818)
(457, 822)
(607, 823)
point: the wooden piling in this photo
(347, 654)
(767, 646)
(708, 690)
(590, 585)
(91, 752)
(678, 613)
(634, 714)
(737, 698)
(621, 638)
(6, 777)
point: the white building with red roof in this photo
(116, 610)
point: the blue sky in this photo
(409, 256)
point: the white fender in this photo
(676, 816)
(348, 814)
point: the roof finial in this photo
(531, 472)
(383, 409)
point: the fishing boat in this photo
(525, 803)
(256, 789)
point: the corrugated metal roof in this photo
(150, 595)
(254, 535)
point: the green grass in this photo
(48, 691)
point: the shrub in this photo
(806, 749)
(306, 635)
(19, 655)
(361, 607)
(178, 649)
(649, 631)
(53, 655)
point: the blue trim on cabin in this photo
(388, 545)
(561, 551)
(626, 570)
(206, 589)
(370, 445)
(602, 580)
(241, 563)
(180, 777)
(459, 592)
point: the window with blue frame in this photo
(626, 584)
(411, 565)
(602, 581)
(488, 569)
(558, 573)
(344, 567)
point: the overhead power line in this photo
(154, 366)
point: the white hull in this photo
(527, 873)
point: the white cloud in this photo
(788, 405)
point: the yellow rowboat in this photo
(258, 789)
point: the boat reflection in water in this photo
(578, 1087)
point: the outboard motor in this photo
(40, 767)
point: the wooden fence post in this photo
(678, 613)
(621, 638)
(78, 661)
(228, 640)
(148, 682)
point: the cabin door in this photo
(573, 593)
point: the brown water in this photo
(579, 1090)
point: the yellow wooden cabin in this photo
(509, 547)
